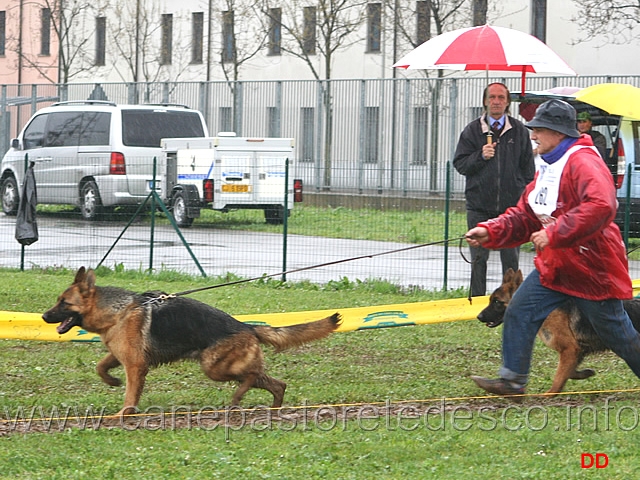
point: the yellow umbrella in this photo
(614, 98)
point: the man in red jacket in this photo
(567, 212)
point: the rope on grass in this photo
(89, 420)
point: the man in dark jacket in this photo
(584, 124)
(494, 154)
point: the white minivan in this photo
(94, 154)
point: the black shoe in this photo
(499, 386)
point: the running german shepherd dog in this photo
(565, 330)
(150, 329)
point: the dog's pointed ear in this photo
(509, 276)
(85, 279)
(80, 275)
(518, 277)
(91, 279)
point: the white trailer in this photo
(228, 172)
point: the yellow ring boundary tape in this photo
(30, 326)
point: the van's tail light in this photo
(207, 189)
(297, 190)
(117, 166)
(622, 164)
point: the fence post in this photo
(405, 137)
(238, 107)
(5, 121)
(153, 215)
(361, 134)
(627, 207)
(453, 111)
(203, 100)
(447, 196)
(319, 129)
(285, 219)
(26, 166)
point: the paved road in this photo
(72, 243)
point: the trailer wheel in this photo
(274, 215)
(180, 211)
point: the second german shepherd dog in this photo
(565, 330)
(145, 330)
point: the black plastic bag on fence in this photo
(26, 225)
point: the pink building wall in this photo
(23, 27)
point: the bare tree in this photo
(136, 39)
(66, 21)
(314, 32)
(243, 35)
(413, 24)
(335, 27)
(614, 21)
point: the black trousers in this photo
(509, 257)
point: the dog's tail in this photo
(286, 337)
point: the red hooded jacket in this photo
(586, 256)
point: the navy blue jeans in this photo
(530, 306)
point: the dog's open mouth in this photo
(66, 325)
(493, 324)
(65, 320)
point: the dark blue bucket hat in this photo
(556, 115)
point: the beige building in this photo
(201, 40)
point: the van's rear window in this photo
(145, 128)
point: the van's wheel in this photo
(90, 203)
(274, 215)
(10, 196)
(180, 211)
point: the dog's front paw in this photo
(113, 381)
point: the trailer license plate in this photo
(235, 188)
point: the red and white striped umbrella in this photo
(486, 48)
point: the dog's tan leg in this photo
(276, 387)
(136, 375)
(106, 364)
(245, 384)
(569, 359)
(238, 358)
(556, 334)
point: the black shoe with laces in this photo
(499, 386)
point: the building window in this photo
(45, 32)
(197, 36)
(3, 31)
(309, 32)
(307, 134)
(275, 31)
(420, 125)
(479, 12)
(167, 39)
(374, 27)
(228, 37)
(101, 35)
(539, 19)
(423, 22)
(371, 134)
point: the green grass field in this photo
(388, 403)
